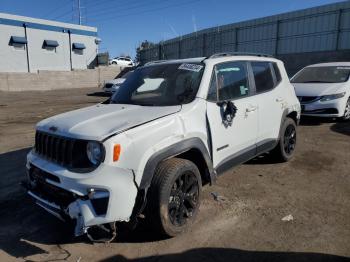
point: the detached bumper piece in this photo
(67, 206)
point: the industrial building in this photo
(29, 44)
(298, 38)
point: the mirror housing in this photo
(228, 111)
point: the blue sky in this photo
(123, 24)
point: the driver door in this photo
(233, 138)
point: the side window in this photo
(230, 80)
(277, 72)
(262, 76)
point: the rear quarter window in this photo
(264, 80)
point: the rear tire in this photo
(175, 196)
(285, 148)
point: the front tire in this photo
(285, 148)
(346, 116)
(175, 196)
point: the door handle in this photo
(279, 100)
(251, 109)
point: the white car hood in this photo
(318, 89)
(100, 121)
(117, 81)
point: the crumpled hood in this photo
(117, 81)
(318, 89)
(100, 121)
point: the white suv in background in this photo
(173, 127)
(324, 90)
(122, 61)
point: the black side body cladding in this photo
(236, 159)
(171, 151)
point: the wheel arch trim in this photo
(172, 151)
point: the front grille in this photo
(307, 99)
(54, 148)
(38, 174)
(48, 191)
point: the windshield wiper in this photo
(144, 104)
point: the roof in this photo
(331, 64)
(42, 24)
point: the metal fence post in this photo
(337, 42)
(277, 37)
(203, 45)
(236, 39)
(160, 51)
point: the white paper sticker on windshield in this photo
(191, 67)
(343, 68)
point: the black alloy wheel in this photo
(183, 198)
(290, 139)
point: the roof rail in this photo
(238, 54)
(155, 62)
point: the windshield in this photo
(331, 74)
(161, 85)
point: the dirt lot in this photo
(243, 226)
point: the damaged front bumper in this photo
(104, 196)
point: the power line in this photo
(115, 4)
(63, 15)
(53, 11)
(147, 11)
(99, 2)
(130, 7)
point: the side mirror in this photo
(108, 101)
(228, 112)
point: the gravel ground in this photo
(245, 224)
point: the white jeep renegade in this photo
(172, 127)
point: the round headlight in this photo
(94, 152)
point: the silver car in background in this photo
(324, 90)
(112, 86)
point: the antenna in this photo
(78, 11)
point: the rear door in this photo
(232, 142)
(270, 99)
